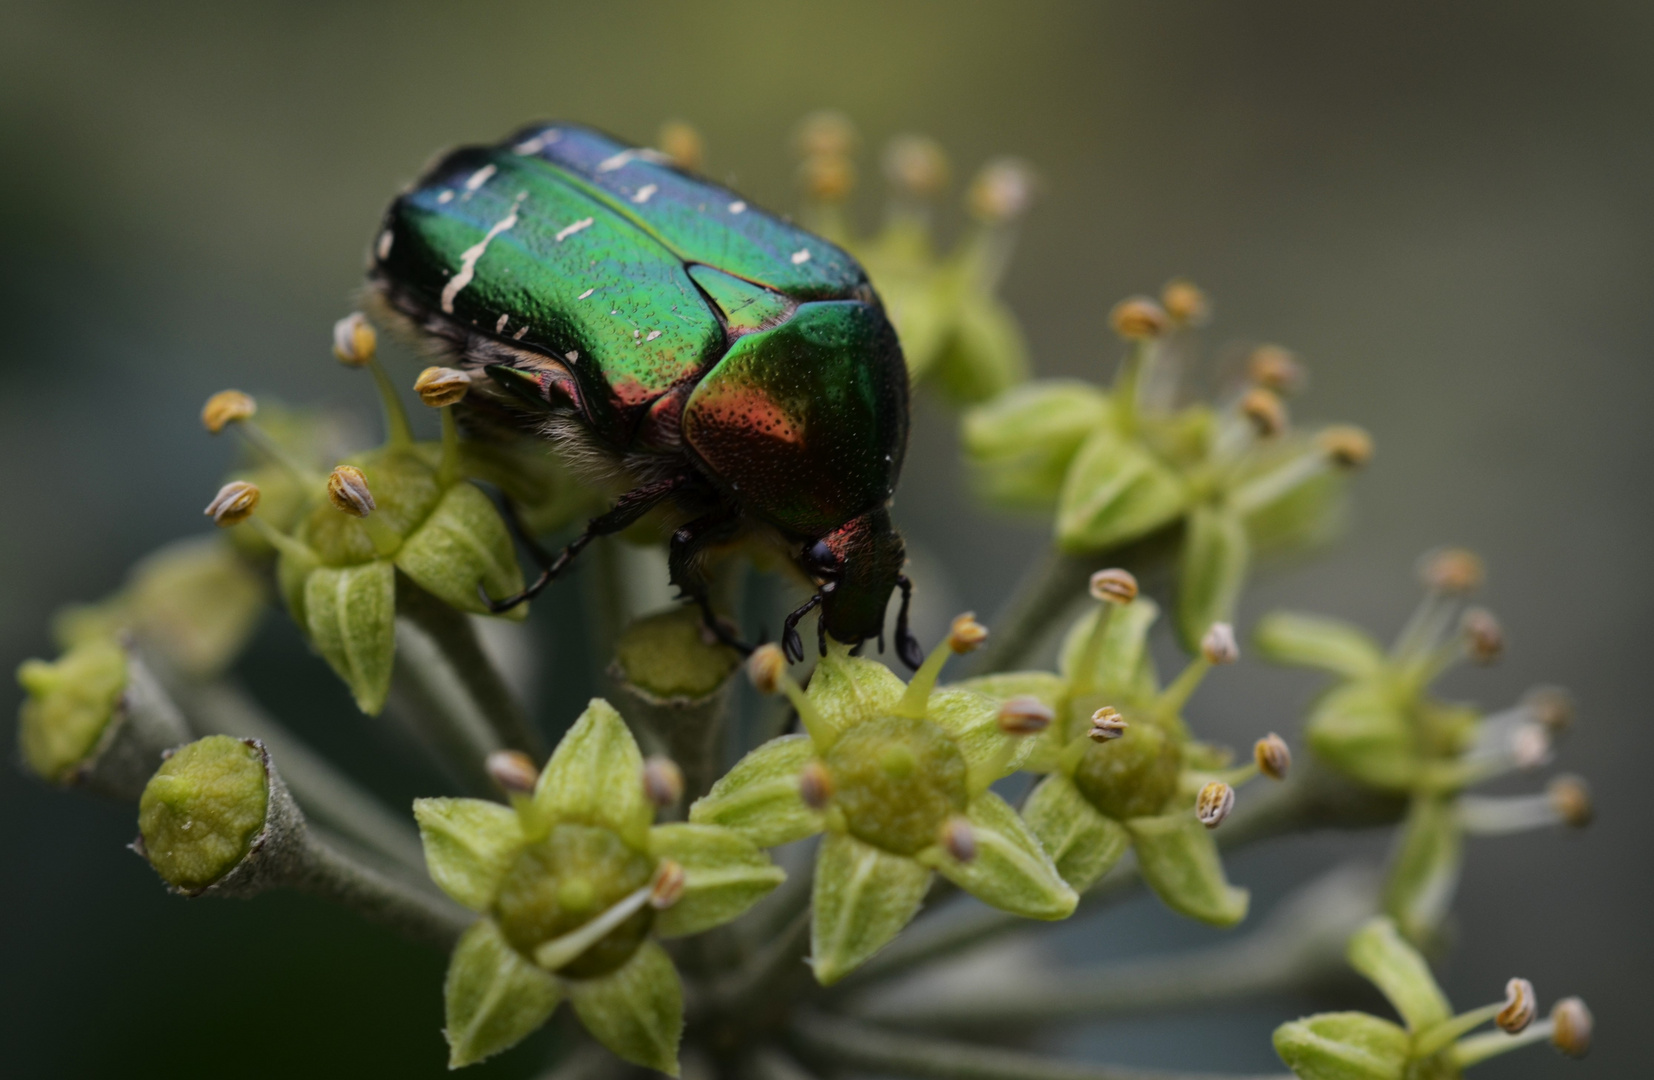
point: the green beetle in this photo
(719, 360)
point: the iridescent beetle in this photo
(723, 362)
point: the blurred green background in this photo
(1446, 208)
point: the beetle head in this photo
(857, 567)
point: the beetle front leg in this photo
(683, 560)
(907, 646)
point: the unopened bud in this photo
(234, 503)
(826, 133)
(1452, 570)
(1114, 586)
(442, 386)
(682, 143)
(1552, 708)
(815, 785)
(662, 781)
(1520, 1006)
(1346, 445)
(1185, 302)
(1214, 803)
(354, 340)
(667, 887)
(1106, 724)
(512, 770)
(966, 634)
(347, 490)
(1530, 746)
(1273, 756)
(1219, 645)
(1138, 318)
(916, 165)
(1274, 368)
(765, 667)
(1484, 638)
(1571, 1027)
(225, 408)
(1265, 410)
(1002, 191)
(958, 839)
(1025, 716)
(1571, 799)
(827, 178)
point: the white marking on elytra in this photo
(572, 355)
(737, 207)
(538, 142)
(445, 197)
(653, 334)
(518, 336)
(801, 256)
(385, 241)
(468, 258)
(499, 327)
(625, 157)
(585, 294)
(644, 193)
(569, 230)
(478, 179)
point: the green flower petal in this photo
(724, 875)
(1115, 491)
(849, 690)
(494, 997)
(1043, 686)
(759, 797)
(973, 721)
(863, 897)
(1179, 859)
(463, 544)
(1083, 843)
(469, 845)
(1343, 1046)
(1310, 641)
(1216, 553)
(985, 355)
(350, 612)
(1379, 952)
(595, 777)
(1122, 667)
(1358, 729)
(635, 1010)
(1022, 443)
(1011, 871)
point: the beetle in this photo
(716, 359)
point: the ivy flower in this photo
(897, 777)
(576, 886)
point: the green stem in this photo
(1050, 587)
(855, 1045)
(397, 430)
(764, 977)
(331, 874)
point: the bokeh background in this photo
(1445, 208)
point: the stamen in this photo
(767, 668)
(559, 952)
(964, 636)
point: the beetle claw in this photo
(907, 646)
(792, 645)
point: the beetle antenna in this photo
(907, 646)
(791, 643)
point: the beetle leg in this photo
(625, 512)
(791, 643)
(907, 646)
(683, 561)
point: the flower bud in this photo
(1114, 586)
(916, 165)
(442, 386)
(966, 634)
(958, 839)
(662, 781)
(682, 143)
(513, 771)
(1265, 410)
(1520, 1006)
(815, 785)
(1185, 302)
(1219, 645)
(1025, 716)
(225, 408)
(234, 503)
(1138, 318)
(1273, 756)
(348, 490)
(1214, 803)
(1571, 1027)
(1106, 724)
(354, 340)
(1002, 191)
(1348, 446)
(1484, 637)
(203, 810)
(1274, 368)
(1452, 570)
(765, 667)
(667, 887)
(827, 178)
(1571, 799)
(1552, 708)
(826, 133)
